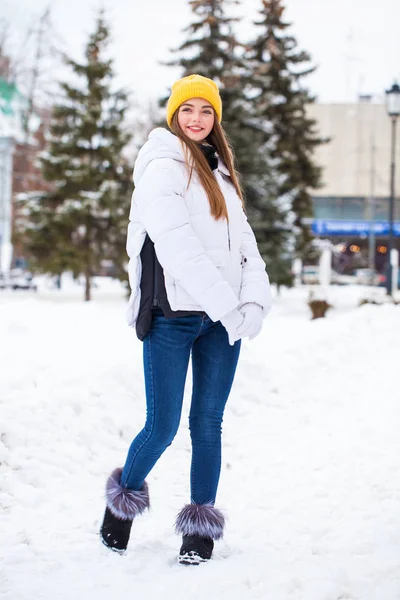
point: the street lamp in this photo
(393, 108)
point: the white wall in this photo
(348, 158)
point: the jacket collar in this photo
(222, 168)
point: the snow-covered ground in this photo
(311, 464)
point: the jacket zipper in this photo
(227, 224)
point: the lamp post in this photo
(393, 109)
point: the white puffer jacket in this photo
(209, 265)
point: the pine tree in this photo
(212, 50)
(82, 221)
(211, 43)
(281, 102)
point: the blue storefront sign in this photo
(356, 228)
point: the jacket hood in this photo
(162, 143)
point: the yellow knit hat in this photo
(194, 86)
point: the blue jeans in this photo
(166, 352)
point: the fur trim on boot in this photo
(123, 502)
(202, 520)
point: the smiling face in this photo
(196, 118)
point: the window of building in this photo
(352, 208)
(382, 209)
(327, 207)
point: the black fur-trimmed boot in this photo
(195, 549)
(199, 525)
(122, 506)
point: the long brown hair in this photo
(195, 159)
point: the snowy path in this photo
(311, 464)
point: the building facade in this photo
(20, 172)
(352, 206)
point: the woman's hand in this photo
(252, 322)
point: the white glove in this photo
(231, 322)
(252, 323)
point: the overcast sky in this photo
(354, 43)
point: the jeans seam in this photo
(153, 410)
(209, 501)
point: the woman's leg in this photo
(214, 367)
(214, 364)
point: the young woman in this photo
(198, 286)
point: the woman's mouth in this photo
(195, 129)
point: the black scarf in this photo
(209, 152)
